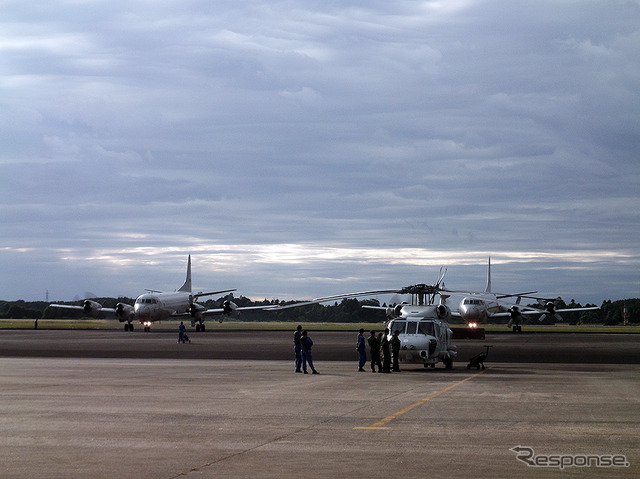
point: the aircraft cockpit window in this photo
(426, 327)
(397, 326)
(147, 301)
(412, 326)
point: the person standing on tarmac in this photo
(306, 343)
(181, 330)
(374, 348)
(386, 352)
(362, 351)
(297, 347)
(395, 348)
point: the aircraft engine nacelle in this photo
(124, 312)
(195, 310)
(442, 311)
(550, 308)
(91, 308)
(229, 306)
(515, 312)
(394, 312)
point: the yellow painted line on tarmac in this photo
(380, 424)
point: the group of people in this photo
(302, 347)
(382, 351)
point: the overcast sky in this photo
(301, 149)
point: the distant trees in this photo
(20, 310)
(611, 312)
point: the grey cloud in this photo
(462, 127)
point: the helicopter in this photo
(422, 325)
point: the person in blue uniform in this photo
(306, 344)
(297, 348)
(362, 351)
(385, 345)
(374, 349)
(181, 330)
(395, 348)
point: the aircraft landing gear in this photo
(517, 329)
(448, 363)
(199, 327)
(128, 327)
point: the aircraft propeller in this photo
(550, 308)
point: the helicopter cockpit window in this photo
(397, 326)
(426, 327)
(412, 326)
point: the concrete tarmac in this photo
(86, 404)
(329, 345)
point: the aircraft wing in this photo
(569, 310)
(197, 295)
(90, 307)
(66, 306)
(529, 311)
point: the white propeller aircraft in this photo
(423, 327)
(155, 306)
(480, 307)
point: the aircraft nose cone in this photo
(142, 311)
(473, 313)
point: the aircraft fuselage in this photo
(477, 308)
(152, 307)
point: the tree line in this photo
(346, 311)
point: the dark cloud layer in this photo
(307, 149)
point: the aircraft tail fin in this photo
(187, 283)
(488, 288)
